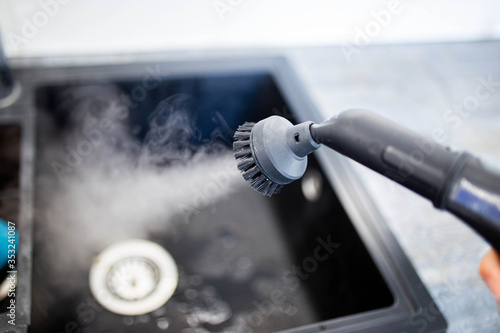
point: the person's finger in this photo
(490, 272)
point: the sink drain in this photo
(133, 277)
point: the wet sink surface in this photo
(117, 161)
(141, 153)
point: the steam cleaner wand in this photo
(273, 152)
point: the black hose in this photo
(453, 181)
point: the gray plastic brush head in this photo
(272, 152)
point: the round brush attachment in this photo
(272, 152)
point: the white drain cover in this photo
(133, 277)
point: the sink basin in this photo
(143, 151)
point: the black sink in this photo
(316, 257)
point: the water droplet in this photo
(128, 321)
(163, 323)
(192, 320)
(191, 294)
(227, 240)
(244, 263)
(312, 185)
(144, 319)
(214, 314)
(182, 307)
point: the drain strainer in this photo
(133, 277)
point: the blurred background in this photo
(51, 27)
(418, 63)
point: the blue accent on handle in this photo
(478, 204)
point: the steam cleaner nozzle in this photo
(273, 152)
